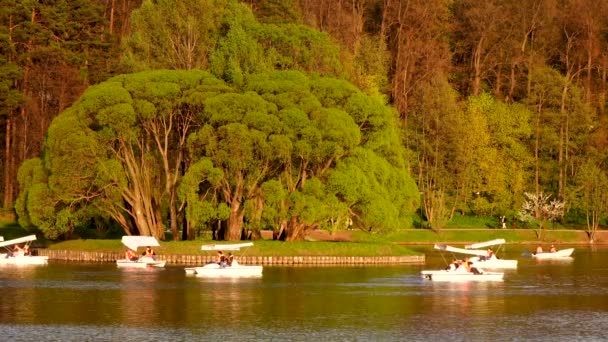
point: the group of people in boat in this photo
(463, 265)
(25, 250)
(539, 249)
(224, 260)
(130, 254)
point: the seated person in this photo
(230, 259)
(26, 250)
(18, 251)
(465, 266)
(553, 249)
(149, 252)
(539, 249)
(220, 259)
(130, 255)
(473, 270)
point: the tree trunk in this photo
(235, 220)
(295, 230)
(8, 162)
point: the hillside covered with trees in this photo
(297, 114)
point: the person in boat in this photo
(453, 265)
(26, 250)
(220, 258)
(130, 255)
(553, 249)
(149, 252)
(465, 265)
(18, 250)
(472, 269)
(539, 249)
(230, 259)
(490, 254)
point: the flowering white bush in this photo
(539, 208)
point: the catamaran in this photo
(234, 269)
(453, 273)
(135, 242)
(484, 260)
(18, 256)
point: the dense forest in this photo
(300, 114)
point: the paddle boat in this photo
(562, 253)
(484, 259)
(135, 242)
(457, 272)
(228, 269)
(20, 256)
(462, 275)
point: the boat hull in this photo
(141, 263)
(24, 260)
(444, 275)
(564, 253)
(215, 270)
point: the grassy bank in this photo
(516, 236)
(350, 243)
(260, 248)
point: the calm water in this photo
(546, 301)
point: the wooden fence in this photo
(179, 259)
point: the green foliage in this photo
(288, 151)
(169, 34)
(277, 11)
(591, 195)
(225, 38)
(502, 161)
(31, 173)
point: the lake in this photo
(540, 301)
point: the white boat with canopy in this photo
(226, 269)
(135, 242)
(18, 255)
(562, 253)
(461, 273)
(486, 260)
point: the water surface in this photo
(541, 301)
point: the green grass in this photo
(260, 248)
(460, 221)
(364, 243)
(423, 236)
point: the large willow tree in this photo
(285, 151)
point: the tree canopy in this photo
(285, 151)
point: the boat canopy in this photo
(460, 250)
(134, 242)
(19, 240)
(232, 247)
(486, 244)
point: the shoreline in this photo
(187, 260)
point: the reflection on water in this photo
(76, 302)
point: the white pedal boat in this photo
(15, 257)
(562, 253)
(235, 269)
(135, 242)
(142, 262)
(447, 275)
(483, 261)
(480, 257)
